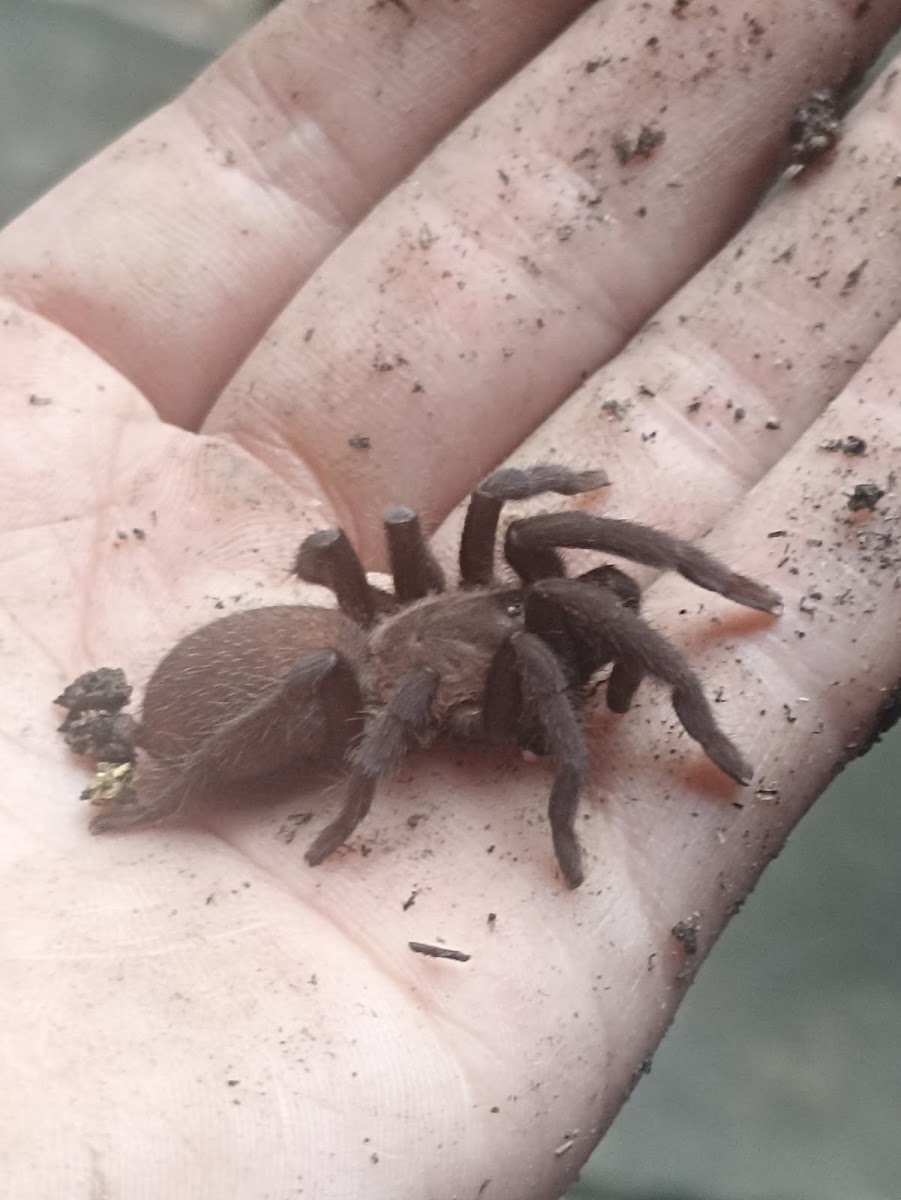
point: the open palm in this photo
(361, 295)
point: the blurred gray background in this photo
(781, 1079)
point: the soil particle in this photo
(616, 409)
(865, 497)
(569, 1140)
(814, 127)
(106, 689)
(95, 724)
(686, 933)
(643, 146)
(438, 951)
(105, 737)
(853, 278)
(846, 445)
(287, 831)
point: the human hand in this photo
(196, 1012)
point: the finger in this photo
(524, 252)
(192, 231)
(712, 392)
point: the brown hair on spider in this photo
(294, 688)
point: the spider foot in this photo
(729, 759)
(569, 856)
(517, 483)
(752, 594)
(696, 716)
(360, 791)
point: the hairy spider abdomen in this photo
(220, 671)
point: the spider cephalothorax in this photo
(294, 688)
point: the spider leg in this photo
(627, 673)
(511, 483)
(590, 615)
(326, 557)
(625, 679)
(387, 735)
(530, 543)
(616, 581)
(416, 571)
(526, 687)
(317, 705)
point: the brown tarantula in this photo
(293, 688)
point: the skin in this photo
(194, 1011)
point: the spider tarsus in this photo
(308, 562)
(325, 845)
(400, 514)
(327, 558)
(521, 483)
(569, 858)
(360, 792)
(625, 679)
(728, 758)
(584, 481)
(751, 594)
(415, 569)
(697, 719)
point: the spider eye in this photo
(514, 608)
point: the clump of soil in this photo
(97, 728)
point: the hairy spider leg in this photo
(387, 734)
(284, 714)
(592, 615)
(526, 692)
(627, 673)
(415, 569)
(486, 502)
(326, 557)
(530, 545)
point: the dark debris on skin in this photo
(95, 725)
